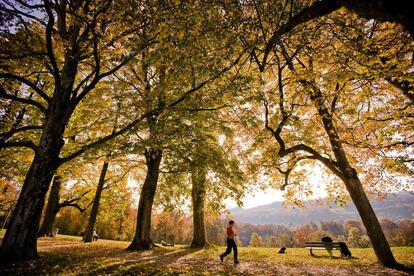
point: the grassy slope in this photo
(66, 255)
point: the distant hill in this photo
(395, 207)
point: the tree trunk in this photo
(354, 186)
(142, 238)
(19, 242)
(88, 235)
(198, 196)
(369, 219)
(52, 209)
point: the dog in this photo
(282, 250)
(345, 250)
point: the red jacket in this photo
(230, 232)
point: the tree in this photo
(284, 240)
(348, 224)
(198, 197)
(255, 240)
(340, 166)
(215, 230)
(54, 205)
(115, 218)
(88, 235)
(8, 196)
(336, 228)
(171, 227)
(70, 37)
(142, 238)
(238, 241)
(407, 231)
(355, 239)
(272, 242)
(332, 114)
(303, 234)
(171, 91)
(51, 208)
(389, 11)
(204, 170)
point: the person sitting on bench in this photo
(95, 235)
(327, 239)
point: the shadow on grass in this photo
(333, 257)
(102, 262)
(47, 263)
(151, 262)
(407, 269)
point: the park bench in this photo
(313, 245)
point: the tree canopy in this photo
(191, 103)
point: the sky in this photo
(258, 198)
(268, 196)
(262, 197)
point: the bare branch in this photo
(260, 21)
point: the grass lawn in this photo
(67, 255)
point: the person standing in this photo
(231, 244)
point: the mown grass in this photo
(67, 255)
(360, 256)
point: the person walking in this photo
(231, 244)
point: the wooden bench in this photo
(322, 246)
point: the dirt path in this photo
(72, 257)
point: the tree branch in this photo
(156, 111)
(204, 83)
(106, 138)
(206, 109)
(15, 11)
(10, 133)
(75, 101)
(62, 205)
(318, 9)
(70, 202)
(25, 144)
(4, 94)
(49, 43)
(405, 86)
(283, 151)
(27, 82)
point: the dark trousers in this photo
(231, 244)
